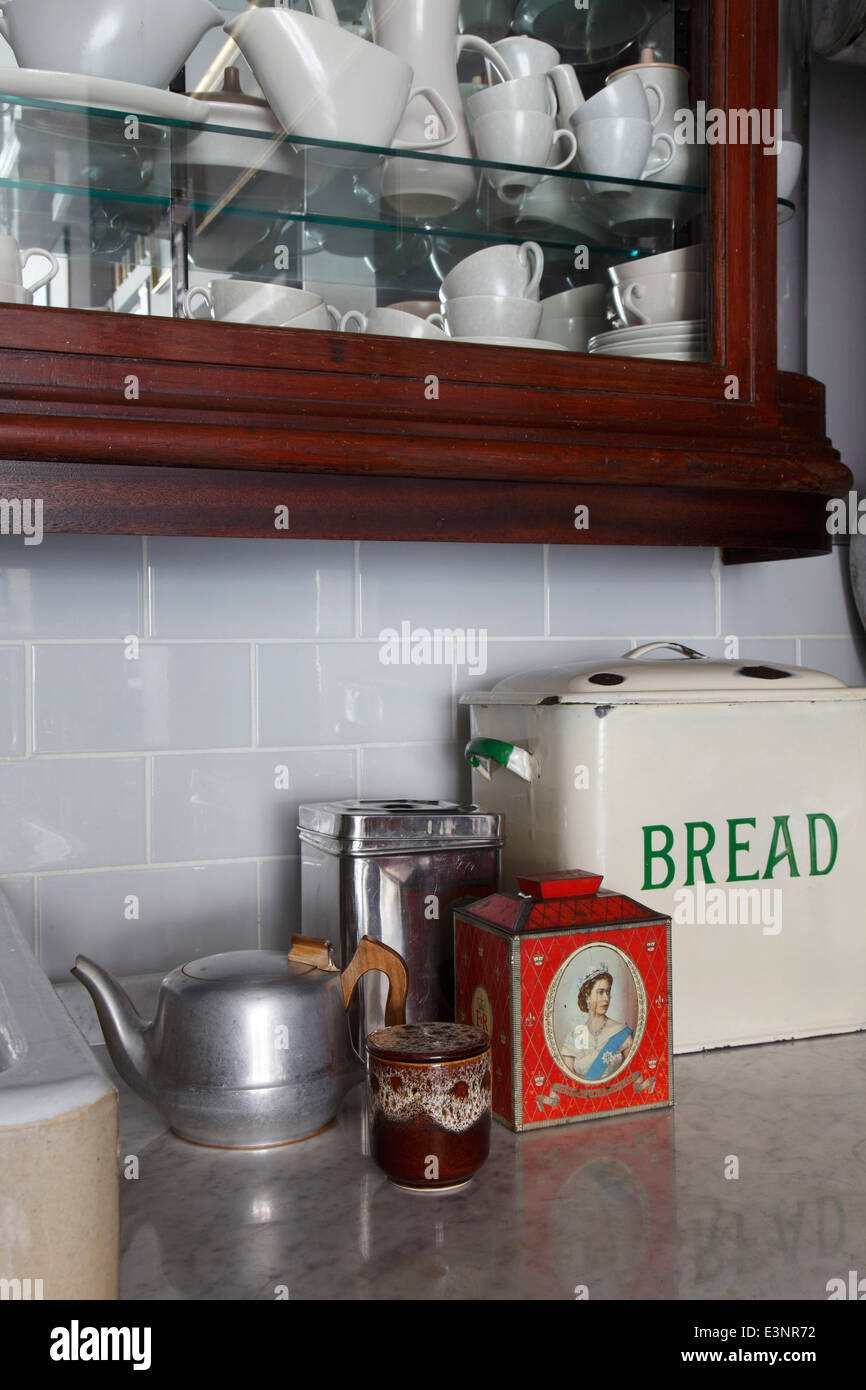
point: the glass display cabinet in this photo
(407, 269)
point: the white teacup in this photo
(662, 298)
(687, 258)
(788, 171)
(525, 56)
(421, 308)
(572, 333)
(521, 137)
(495, 316)
(587, 301)
(626, 97)
(534, 93)
(322, 316)
(14, 294)
(13, 261)
(504, 271)
(619, 148)
(391, 323)
(250, 301)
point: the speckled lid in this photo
(428, 1042)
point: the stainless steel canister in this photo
(395, 870)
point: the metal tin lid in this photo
(402, 824)
(694, 677)
(428, 1042)
(517, 913)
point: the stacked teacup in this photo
(661, 303)
(493, 294)
(13, 261)
(575, 316)
(524, 121)
(269, 306)
(616, 137)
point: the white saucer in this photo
(129, 97)
(515, 342)
(684, 355)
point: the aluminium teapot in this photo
(247, 1049)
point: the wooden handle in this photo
(375, 955)
(310, 950)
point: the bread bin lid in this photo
(399, 825)
(633, 679)
(428, 1042)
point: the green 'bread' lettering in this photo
(813, 846)
(649, 854)
(693, 853)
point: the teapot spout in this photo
(125, 1031)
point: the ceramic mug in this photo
(521, 137)
(392, 323)
(525, 56)
(661, 298)
(495, 316)
(13, 261)
(586, 301)
(429, 1091)
(627, 97)
(686, 258)
(506, 271)
(619, 147)
(321, 316)
(250, 301)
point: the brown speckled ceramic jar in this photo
(429, 1092)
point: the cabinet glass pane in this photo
(143, 199)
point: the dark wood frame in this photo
(339, 429)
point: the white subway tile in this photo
(203, 587)
(13, 737)
(20, 896)
(280, 881)
(90, 698)
(844, 657)
(133, 921)
(71, 813)
(229, 806)
(430, 772)
(605, 591)
(496, 588)
(72, 586)
(797, 597)
(345, 693)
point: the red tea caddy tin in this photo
(572, 982)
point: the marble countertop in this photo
(632, 1208)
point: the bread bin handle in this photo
(482, 753)
(688, 652)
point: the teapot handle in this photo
(375, 955)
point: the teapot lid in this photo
(247, 968)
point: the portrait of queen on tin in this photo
(595, 1014)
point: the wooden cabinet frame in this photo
(350, 434)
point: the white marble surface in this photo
(632, 1208)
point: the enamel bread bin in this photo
(729, 795)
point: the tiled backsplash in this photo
(166, 705)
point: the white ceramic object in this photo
(14, 261)
(424, 34)
(324, 83)
(138, 41)
(101, 92)
(391, 323)
(14, 294)
(618, 147)
(525, 56)
(661, 298)
(493, 315)
(421, 308)
(522, 94)
(588, 301)
(250, 301)
(572, 333)
(323, 317)
(688, 332)
(686, 258)
(790, 159)
(505, 271)
(521, 137)
(667, 87)
(626, 98)
(514, 342)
